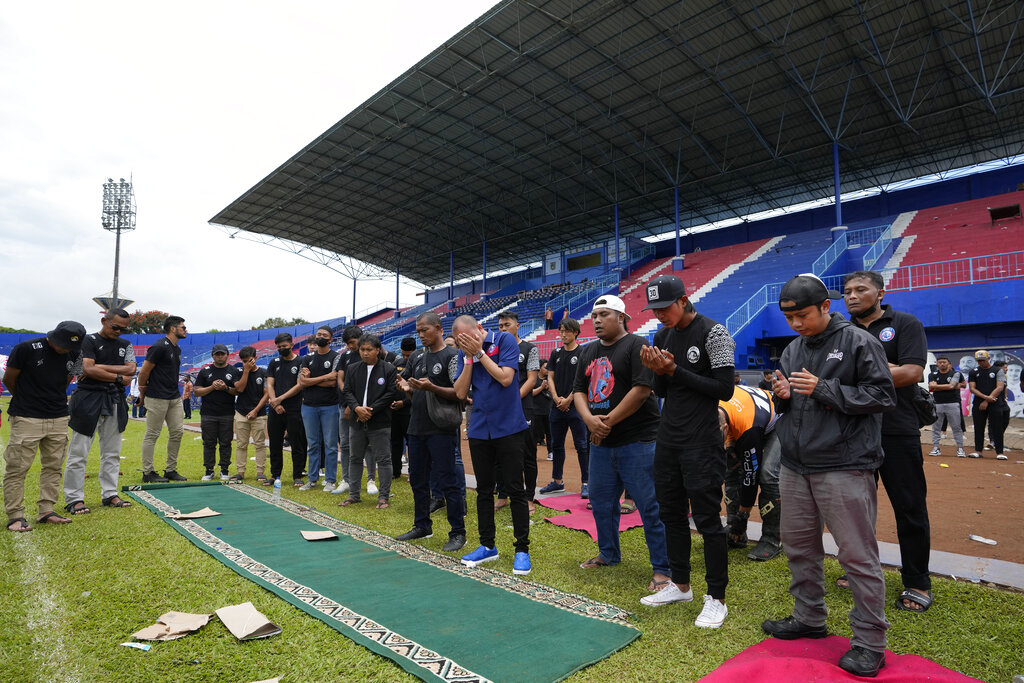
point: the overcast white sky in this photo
(199, 101)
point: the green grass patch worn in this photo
(71, 594)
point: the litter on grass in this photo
(173, 625)
(982, 539)
(246, 623)
(138, 646)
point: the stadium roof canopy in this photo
(529, 126)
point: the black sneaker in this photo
(172, 475)
(436, 504)
(791, 629)
(153, 478)
(414, 534)
(454, 543)
(861, 661)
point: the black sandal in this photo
(116, 502)
(23, 525)
(53, 518)
(922, 599)
(77, 508)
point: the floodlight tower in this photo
(118, 216)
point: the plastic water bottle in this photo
(277, 489)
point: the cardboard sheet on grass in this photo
(580, 518)
(817, 660)
(425, 611)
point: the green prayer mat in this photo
(434, 617)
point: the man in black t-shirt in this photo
(529, 367)
(38, 373)
(432, 447)
(285, 401)
(563, 415)
(321, 397)
(401, 410)
(158, 392)
(251, 415)
(988, 391)
(350, 354)
(99, 408)
(693, 358)
(215, 385)
(541, 408)
(902, 470)
(945, 384)
(613, 395)
(766, 382)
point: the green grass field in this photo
(71, 594)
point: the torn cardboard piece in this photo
(198, 514)
(173, 625)
(321, 535)
(275, 679)
(246, 623)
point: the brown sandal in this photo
(595, 562)
(53, 518)
(347, 502)
(22, 525)
(383, 504)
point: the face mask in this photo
(867, 313)
(321, 342)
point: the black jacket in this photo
(381, 394)
(839, 426)
(92, 400)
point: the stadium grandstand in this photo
(554, 151)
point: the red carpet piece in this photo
(579, 517)
(807, 660)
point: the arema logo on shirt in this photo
(602, 382)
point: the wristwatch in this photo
(478, 355)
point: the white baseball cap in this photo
(613, 302)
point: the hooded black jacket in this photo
(839, 426)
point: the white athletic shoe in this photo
(328, 486)
(340, 489)
(974, 454)
(208, 477)
(935, 451)
(371, 488)
(308, 486)
(666, 596)
(713, 614)
(960, 453)
(1001, 457)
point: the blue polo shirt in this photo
(497, 410)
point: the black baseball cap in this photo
(663, 291)
(67, 335)
(805, 290)
(219, 348)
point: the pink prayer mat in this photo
(579, 517)
(808, 660)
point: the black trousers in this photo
(902, 473)
(186, 406)
(217, 430)
(529, 467)
(276, 426)
(997, 421)
(675, 502)
(399, 426)
(506, 453)
(542, 429)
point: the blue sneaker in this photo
(521, 565)
(552, 487)
(585, 491)
(483, 554)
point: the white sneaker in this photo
(371, 488)
(935, 451)
(340, 489)
(224, 476)
(960, 453)
(713, 614)
(208, 477)
(1001, 457)
(328, 486)
(308, 486)
(974, 454)
(666, 596)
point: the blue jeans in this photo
(436, 490)
(560, 424)
(321, 423)
(630, 466)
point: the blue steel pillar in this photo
(677, 262)
(561, 265)
(397, 271)
(835, 176)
